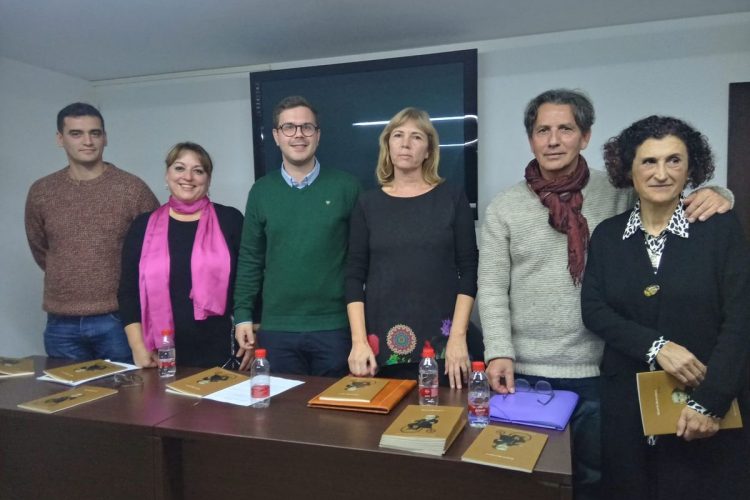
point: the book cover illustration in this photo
(206, 382)
(425, 429)
(662, 398)
(16, 367)
(506, 447)
(361, 390)
(67, 399)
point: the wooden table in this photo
(144, 443)
(291, 451)
(104, 449)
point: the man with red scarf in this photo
(532, 254)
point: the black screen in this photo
(349, 97)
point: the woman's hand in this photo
(362, 360)
(681, 364)
(457, 365)
(144, 358)
(693, 425)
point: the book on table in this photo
(506, 447)
(206, 382)
(80, 373)
(67, 399)
(425, 429)
(354, 389)
(385, 398)
(16, 367)
(662, 398)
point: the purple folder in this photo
(525, 409)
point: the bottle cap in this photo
(477, 366)
(427, 350)
(260, 353)
(167, 332)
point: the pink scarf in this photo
(209, 264)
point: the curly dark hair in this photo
(619, 151)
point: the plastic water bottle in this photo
(260, 380)
(167, 354)
(428, 377)
(479, 396)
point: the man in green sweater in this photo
(293, 251)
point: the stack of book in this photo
(372, 395)
(507, 448)
(425, 429)
(16, 367)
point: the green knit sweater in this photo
(293, 250)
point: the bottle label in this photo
(480, 410)
(428, 392)
(260, 391)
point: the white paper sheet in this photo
(239, 394)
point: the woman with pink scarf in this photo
(178, 268)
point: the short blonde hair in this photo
(384, 169)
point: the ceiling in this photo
(108, 39)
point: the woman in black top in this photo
(666, 294)
(412, 265)
(193, 268)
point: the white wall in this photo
(30, 98)
(680, 68)
(676, 67)
(145, 119)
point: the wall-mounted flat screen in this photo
(356, 100)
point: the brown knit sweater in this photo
(76, 229)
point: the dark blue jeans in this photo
(83, 338)
(585, 425)
(324, 353)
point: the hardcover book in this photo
(67, 399)
(383, 402)
(361, 390)
(86, 371)
(206, 382)
(662, 398)
(16, 367)
(425, 429)
(506, 447)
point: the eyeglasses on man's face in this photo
(542, 388)
(290, 129)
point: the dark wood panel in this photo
(738, 157)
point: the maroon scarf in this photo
(563, 198)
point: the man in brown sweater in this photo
(76, 220)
